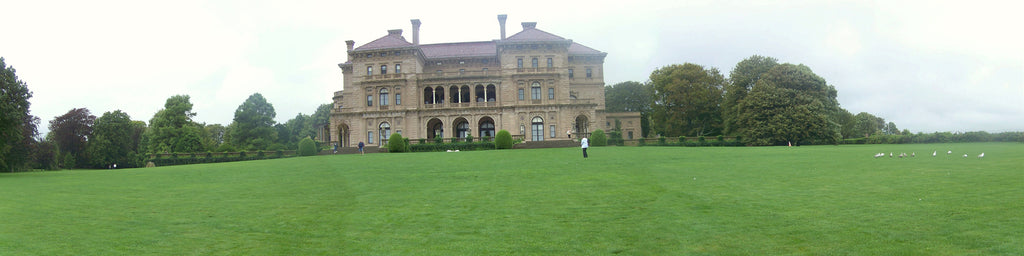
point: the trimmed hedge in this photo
(460, 146)
(503, 140)
(307, 147)
(396, 144)
(598, 139)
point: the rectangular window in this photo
(551, 63)
(534, 93)
(522, 95)
(383, 99)
(369, 100)
(552, 130)
(519, 63)
(383, 69)
(570, 73)
(631, 135)
(398, 99)
(398, 53)
(398, 68)
(590, 73)
(462, 72)
(369, 137)
(533, 63)
(369, 70)
(551, 93)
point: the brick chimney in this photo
(416, 31)
(501, 22)
(350, 44)
(527, 25)
(392, 32)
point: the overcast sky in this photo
(925, 65)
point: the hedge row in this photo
(460, 146)
(939, 137)
(205, 158)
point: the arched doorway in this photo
(343, 135)
(486, 127)
(581, 125)
(537, 129)
(384, 129)
(435, 128)
(461, 127)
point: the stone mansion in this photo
(534, 84)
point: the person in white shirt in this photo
(584, 143)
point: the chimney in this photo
(527, 25)
(416, 31)
(501, 22)
(393, 32)
(350, 44)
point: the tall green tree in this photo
(630, 96)
(71, 132)
(741, 81)
(254, 124)
(172, 130)
(17, 127)
(790, 104)
(213, 136)
(321, 117)
(112, 141)
(687, 100)
(868, 124)
(848, 124)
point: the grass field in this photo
(623, 200)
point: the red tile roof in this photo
(466, 49)
(388, 41)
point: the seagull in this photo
(913, 154)
(965, 155)
(890, 154)
(982, 155)
(949, 152)
(879, 155)
(934, 153)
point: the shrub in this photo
(503, 140)
(307, 147)
(642, 141)
(597, 138)
(682, 139)
(438, 140)
(454, 139)
(661, 141)
(226, 147)
(423, 141)
(396, 144)
(469, 138)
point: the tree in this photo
(741, 80)
(172, 130)
(687, 100)
(214, 136)
(868, 124)
(890, 129)
(17, 126)
(71, 133)
(45, 155)
(789, 104)
(321, 117)
(254, 124)
(630, 96)
(307, 147)
(503, 140)
(111, 141)
(396, 143)
(848, 124)
(597, 138)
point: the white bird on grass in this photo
(965, 155)
(913, 154)
(982, 155)
(934, 153)
(949, 152)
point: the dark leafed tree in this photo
(172, 130)
(741, 81)
(112, 141)
(254, 124)
(687, 100)
(848, 124)
(71, 132)
(214, 136)
(868, 124)
(17, 126)
(790, 103)
(630, 96)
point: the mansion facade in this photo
(534, 84)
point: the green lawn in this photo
(623, 200)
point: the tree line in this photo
(79, 139)
(764, 102)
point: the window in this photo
(383, 54)
(369, 100)
(570, 73)
(369, 70)
(551, 63)
(462, 71)
(385, 131)
(551, 93)
(383, 97)
(535, 91)
(398, 53)
(487, 129)
(522, 95)
(590, 73)
(398, 68)
(369, 137)
(537, 129)
(462, 130)
(383, 69)
(551, 129)
(631, 135)
(398, 99)
(533, 63)
(369, 55)
(519, 63)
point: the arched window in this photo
(385, 131)
(384, 97)
(537, 130)
(486, 127)
(462, 129)
(492, 93)
(535, 91)
(480, 94)
(428, 95)
(464, 94)
(454, 92)
(439, 95)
